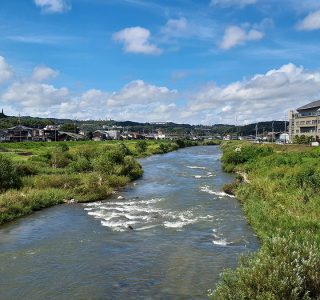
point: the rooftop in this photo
(310, 105)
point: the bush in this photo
(9, 177)
(59, 181)
(26, 168)
(115, 163)
(59, 158)
(82, 164)
(181, 143)
(230, 188)
(141, 146)
(284, 268)
(245, 154)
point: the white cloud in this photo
(175, 28)
(6, 71)
(42, 73)
(235, 35)
(240, 3)
(136, 40)
(263, 97)
(33, 93)
(139, 92)
(53, 6)
(310, 22)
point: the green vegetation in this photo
(281, 202)
(38, 175)
(303, 139)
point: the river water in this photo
(185, 232)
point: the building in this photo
(4, 136)
(305, 121)
(19, 133)
(114, 134)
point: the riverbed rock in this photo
(120, 198)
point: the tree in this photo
(9, 177)
(69, 127)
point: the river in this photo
(185, 232)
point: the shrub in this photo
(117, 181)
(61, 181)
(181, 143)
(26, 168)
(9, 177)
(141, 146)
(82, 164)
(59, 158)
(230, 188)
(245, 154)
(124, 149)
(284, 268)
(108, 162)
(163, 148)
(86, 151)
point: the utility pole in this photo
(19, 120)
(285, 129)
(256, 131)
(272, 131)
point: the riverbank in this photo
(38, 175)
(281, 201)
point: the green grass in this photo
(51, 173)
(282, 204)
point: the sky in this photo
(185, 61)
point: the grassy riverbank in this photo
(282, 204)
(38, 175)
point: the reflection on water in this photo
(184, 232)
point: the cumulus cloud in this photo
(235, 35)
(42, 73)
(140, 92)
(33, 93)
(136, 40)
(53, 6)
(310, 22)
(240, 3)
(263, 97)
(6, 71)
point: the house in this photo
(4, 136)
(305, 121)
(70, 136)
(114, 134)
(160, 135)
(100, 135)
(20, 133)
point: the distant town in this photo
(301, 128)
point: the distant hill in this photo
(167, 127)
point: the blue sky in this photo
(205, 61)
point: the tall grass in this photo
(282, 205)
